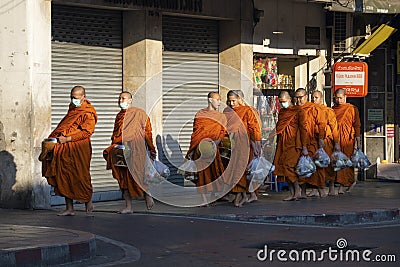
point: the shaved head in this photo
(340, 91)
(284, 95)
(79, 90)
(301, 90)
(317, 98)
(126, 94)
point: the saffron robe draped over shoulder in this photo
(349, 127)
(243, 126)
(69, 170)
(208, 124)
(331, 136)
(291, 136)
(133, 128)
(315, 124)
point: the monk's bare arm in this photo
(357, 127)
(149, 139)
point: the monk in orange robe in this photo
(243, 127)
(316, 123)
(291, 143)
(331, 140)
(132, 128)
(208, 126)
(242, 102)
(68, 171)
(349, 126)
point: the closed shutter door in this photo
(87, 51)
(190, 72)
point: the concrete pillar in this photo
(25, 101)
(236, 52)
(142, 64)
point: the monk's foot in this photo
(302, 196)
(243, 200)
(67, 213)
(332, 192)
(348, 190)
(252, 198)
(290, 198)
(340, 191)
(149, 202)
(125, 211)
(313, 193)
(89, 206)
(237, 200)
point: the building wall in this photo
(25, 78)
(24, 101)
(289, 17)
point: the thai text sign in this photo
(351, 76)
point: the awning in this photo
(376, 39)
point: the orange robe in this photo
(207, 124)
(349, 125)
(331, 136)
(133, 128)
(291, 135)
(315, 124)
(69, 170)
(243, 126)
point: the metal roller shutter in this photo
(87, 51)
(190, 72)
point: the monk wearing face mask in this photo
(68, 171)
(291, 143)
(132, 127)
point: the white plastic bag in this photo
(305, 167)
(360, 160)
(161, 168)
(258, 169)
(321, 158)
(151, 176)
(189, 170)
(340, 161)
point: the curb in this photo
(81, 245)
(347, 218)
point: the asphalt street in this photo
(166, 240)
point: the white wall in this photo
(25, 100)
(290, 17)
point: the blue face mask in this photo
(124, 105)
(285, 104)
(76, 102)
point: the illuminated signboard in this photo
(351, 76)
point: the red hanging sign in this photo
(351, 76)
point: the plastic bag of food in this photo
(360, 160)
(305, 167)
(151, 175)
(189, 170)
(161, 168)
(257, 170)
(321, 158)
(340, 161)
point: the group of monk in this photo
(305, 127)
(240, 124)
(301, 129)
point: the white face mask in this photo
(124, 105)
(76, 102)
(285, 104)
